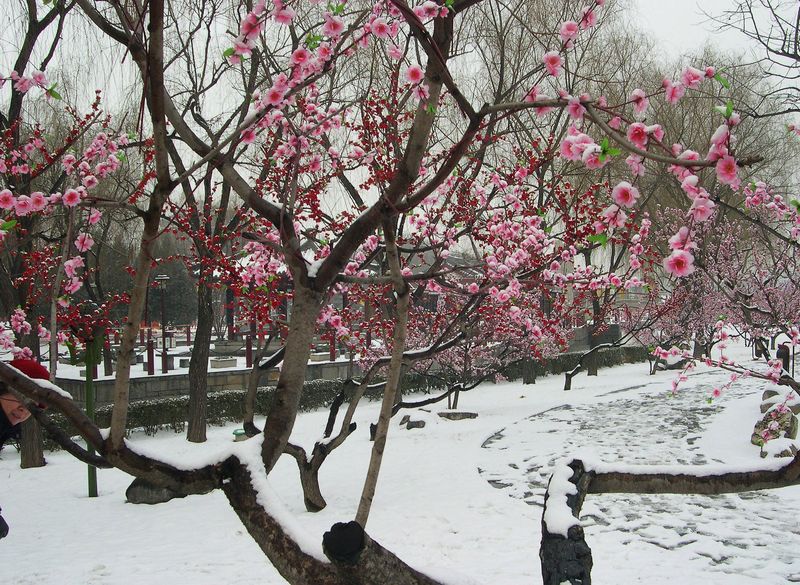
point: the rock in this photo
(778, 423)
(404, 420)
(779, 448)
(456, 415)
(415, 424)
(143, 492)
(769, 394)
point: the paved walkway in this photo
(743, 538)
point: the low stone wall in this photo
(171, 385)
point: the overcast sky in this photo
(680, 25)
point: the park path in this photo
(742, 538)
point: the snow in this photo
(458, 499)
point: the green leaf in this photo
(8, 225)
(728, 109)
(431, 109)
(336, 9)
(614, 152)
(796, 204)
(313, 41)
(228, 52)
(722, 81)
(51, 91)
(601, 239)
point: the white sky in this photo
(680, 25)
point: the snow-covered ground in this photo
(461, 498)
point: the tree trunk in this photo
(198, 367)
(698, 348)
(355, 559)
(593, 358)
(280, 421)
(32, 454)
(390, 392)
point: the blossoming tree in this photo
(402, 162)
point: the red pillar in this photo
(151, 357)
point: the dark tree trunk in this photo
(32, 444)
(198, 367)
(593, 358)
(32, 454)
(698, 348)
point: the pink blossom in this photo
(421, 92)
(6, 199)
(637, 134)
(84, 242)
(39, 78)
(575, 109)
(640, 101)
(613, 216)
(72, 286)
(68, 163)
(569, 31)
(72, 265)
(23, 84)
(274, 96)
(673, 91)
(710, 72)
(333, 27)
(552, 62)
(591, 157)
(682, 240)
(94, 216)
(89, 181)
(38, 201)
(615, 122)
(284, 16)
(680, 263)
(727, 170)
(251, 27)
(702, 209)
(636, 165)
(427, 9)
(589, 18)
(721, 135)
(656, 131)
(395, 52)
(691, 77)
(625, 194)
(414, 74)
(248, 136)
(689, 186)
(71, 197)
(23, 205)
(530, 97)
(300, 56)
(379, 28)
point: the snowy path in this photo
(745, 538)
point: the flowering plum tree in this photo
(347, 130)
